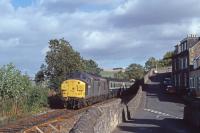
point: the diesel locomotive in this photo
(83, 89)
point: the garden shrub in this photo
(18, 95)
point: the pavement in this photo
(158, 113)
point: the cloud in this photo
(139, 12)
(6, 7)
(10, 43)
(112, 32)
(60, 6)
(194, 28)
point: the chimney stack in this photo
(191, 35)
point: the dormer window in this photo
(183, 46)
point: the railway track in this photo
(37, 123)
(53, 121)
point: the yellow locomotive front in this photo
(73, 88)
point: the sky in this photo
(114, 33)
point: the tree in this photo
(12, 83)
(150, 63)
(92, 67)
(17, 93)
(135, 71)
(40, 75)
(167, 58)
(61, 60)
(120, 75)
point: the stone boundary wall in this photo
(134, 103)
(148, 75)
(192, 113)
(105, 118)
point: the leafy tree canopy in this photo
(135, 71)
(120, 75)
(151, 63)
(92, 67)
(164, 62)
(61, 59)
(12, 83)
(167, 59)
(40, 75)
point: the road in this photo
(158, 113)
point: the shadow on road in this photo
(145, 122)
(167, 125)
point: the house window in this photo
(180, 63)
(199, 83)
(181, 47)
(190, 82)
(186, 62)
(174, 64)
(195, 82)
(185, 45)
(179, 80)
(175, 80)
(185, 79)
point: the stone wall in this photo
(102, 119)
(149, 74)
(105, 118)
(134, 103)
(192, 113)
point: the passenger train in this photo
(83, 89)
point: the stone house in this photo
(182, 62)
(194, 81)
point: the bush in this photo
(18, 95)
(37, 98)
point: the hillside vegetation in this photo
(18, 95)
